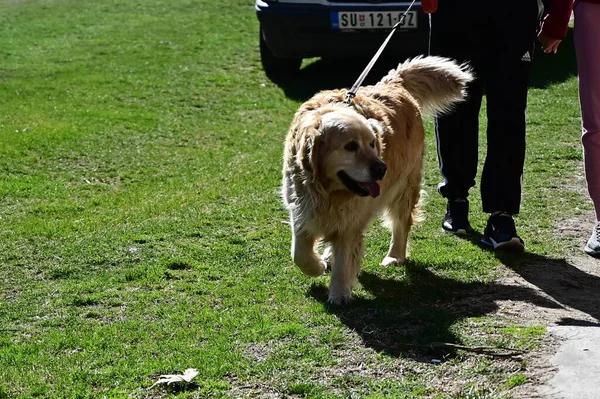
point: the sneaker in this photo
(500, 233)
(456, 220)
(593, 245)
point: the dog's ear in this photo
(310, 152)
(378, 129)
(309, 139)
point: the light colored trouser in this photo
(587, 47)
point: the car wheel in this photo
(275, 65)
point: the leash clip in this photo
(349, 97)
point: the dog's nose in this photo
(378, 170)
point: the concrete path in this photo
(577, 362)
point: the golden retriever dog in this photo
(344, 164)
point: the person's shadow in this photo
(404, 315)
(564, 282)
(567, 284)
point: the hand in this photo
(549, 45)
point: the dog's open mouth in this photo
(360, 188)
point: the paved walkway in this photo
(578, 364)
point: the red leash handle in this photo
(429, 6)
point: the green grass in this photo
(141, 229)
(516, 380)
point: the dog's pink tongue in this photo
(372, 188)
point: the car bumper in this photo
(302, 31)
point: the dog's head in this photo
(343, 149)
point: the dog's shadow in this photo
(401, 316)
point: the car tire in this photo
(275, 66)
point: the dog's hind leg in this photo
(400, 215)
(304, 255)
(347, 254)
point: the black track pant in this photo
(498, 42)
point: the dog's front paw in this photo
(339, 300)
(339, 296)
(315, 269)
(391, 261)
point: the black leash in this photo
(352, 92)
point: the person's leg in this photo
(456, 32)
(587, 45)
(509, 58)
(510, 55)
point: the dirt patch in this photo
(577, 230)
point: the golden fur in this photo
(346, 164)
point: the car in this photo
(291, 30)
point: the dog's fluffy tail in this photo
(435, 82)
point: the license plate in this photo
(352, 20)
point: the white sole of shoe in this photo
(514, 245)
(591, 252)
(459, 232)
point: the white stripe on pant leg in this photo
(439, 154)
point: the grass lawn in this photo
(142, 232)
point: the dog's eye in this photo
(372, 145)
(351, 146)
